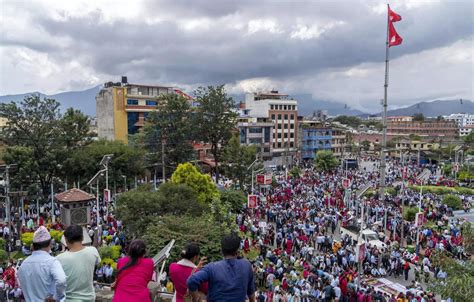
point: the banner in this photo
(252, 201)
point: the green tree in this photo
(352, 121)
(452, 201)
(83, 163)
(202, 184)
(170, 127)
(418, 117)
(365, 145)
(235, 198)
(215, 116)
(296, 172)
(236, 159)
(469, 139)
(325, 160)
(39, 138)
(184, 229)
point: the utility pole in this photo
(163, 160)
(7, 193)
(53, 218)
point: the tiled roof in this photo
(73, 195)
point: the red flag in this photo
(392, 16)
(393, 37)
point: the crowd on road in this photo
(293, 238)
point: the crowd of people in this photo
(292, 238)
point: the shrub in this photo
(452, 201)
(27, 238)
(391, 191)
(409, 213)
(110, 252)
(110, 261)
(56, 235)
(2, 244)
(3, 256)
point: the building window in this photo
(292, 135)
(292, 116)
(292, 144)
(284, 107)
(279, 135)
(286, 116)
(292, 126)
(132, 102)
(279, 116)
(271, 107)
(273, 117)
(255, 141)
(279, 145)
(132, 119)
(285, 126)
(151, 103)
(285, 135)
(279, 126)
(255, 130)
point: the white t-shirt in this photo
(79, 268)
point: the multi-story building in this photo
(339, 143)
(314, 136)
(427, 130)
(464, 121)
(122, 108)
(415, 145)
(256, 131)
(283, 112)
(402, 118)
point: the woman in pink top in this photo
(134, 273)
(181, 270)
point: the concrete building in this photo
(464, 121)
(339, 144)
(402, 118)
(415, 145)
(315, 136)
(283, 112)
(427, 130)
(256, 131)
(122, 108)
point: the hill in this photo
(435, 108)
(83, 100)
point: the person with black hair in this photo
(42, 277)
(230, 280)
(134, 273)
(79, 263)
(180, 271)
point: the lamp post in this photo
(105, 163)
(124, 183)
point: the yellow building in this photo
(122, 108)
(415, 145)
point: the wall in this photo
(105, 114)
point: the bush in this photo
(56, 235)
(452, 201)
(110, 261)
(409, 213)
(391, 191)
(3, 256)
(110, 252)
(2, 244)
(236, 199)
(27, 238)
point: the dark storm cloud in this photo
(167, 52)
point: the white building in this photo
(283, 111)
(464, 121)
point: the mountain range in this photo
(307, 104)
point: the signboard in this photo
(419, 218)
(360, 252)
(346, 183)
(268, 179)
(252, 201)
(106, 196)
(456, 168)
(260, 179)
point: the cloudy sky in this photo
(332, 49)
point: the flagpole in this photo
(384, 126)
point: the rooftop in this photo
(73, 195)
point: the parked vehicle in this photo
(367, 235)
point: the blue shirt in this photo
(230, 280)
(41, 275)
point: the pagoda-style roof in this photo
(73, 195)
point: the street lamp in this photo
(95, 180)
(124, 183)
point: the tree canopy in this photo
(325, 160)
(236, 159)
(215, 116)
(202, 184)
(39, 139)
